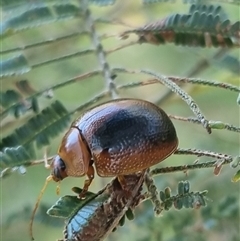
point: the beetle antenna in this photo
(48, 179)
(58, 188)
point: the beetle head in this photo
(73, 157)
(58, 169)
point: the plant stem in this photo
(213, 124)
(43, 43)
(54, 87)
(183, 80)
(89, 22)
(211, 164)
(176, 89)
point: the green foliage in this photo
(9, 97)
(17, 148)
(38, 15)
(78, 213)
(15, 65)
(60, 33)
(16, 156)
(184, 198)
(236, 177)
(204, 26)
(67, 206)
(11, 100)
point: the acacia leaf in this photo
(236, 177)
(203, 26)
(66, 206)
(38, 15)
(16, 65)
(18, 149)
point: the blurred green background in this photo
(220, 221)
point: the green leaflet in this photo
(11, 100)
(236, 177)
(13, 66)
(38, 15)
(66, 206)
(184, 198)
(15, 156)
(17, 148)
(11, 4)
(102, 2)
(9, 97)
(203, 26)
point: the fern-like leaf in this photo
(17, 148)
(100, 212)
(16, 156)
(12, 101)
(67, 206)
(38, 15)
(9, 97)
(15, 65)
(184, 198)
(203, 27)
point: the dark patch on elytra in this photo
(117, 127)
(127, 129)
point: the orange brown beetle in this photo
(120, 137)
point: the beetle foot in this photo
(82, 195)
(87, 183)
(124, 186)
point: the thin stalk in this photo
(43, 43)
(176, 89)
(121, 47)
(153, 193)
(89, 24)
(54, 87)
(225, 159)
(213, 124)
(65, 57)
(184, 80)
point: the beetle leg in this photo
(122, 181)
(87, 182)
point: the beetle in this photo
(120, 137)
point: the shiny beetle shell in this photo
(120, 137)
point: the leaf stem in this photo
(43, 43)
(89, 24)
(176, 89)
(65, 57)
(213, 124)
(121, 47)
(54, 87)
(226, 160)
(183, 80)
(153, 193)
